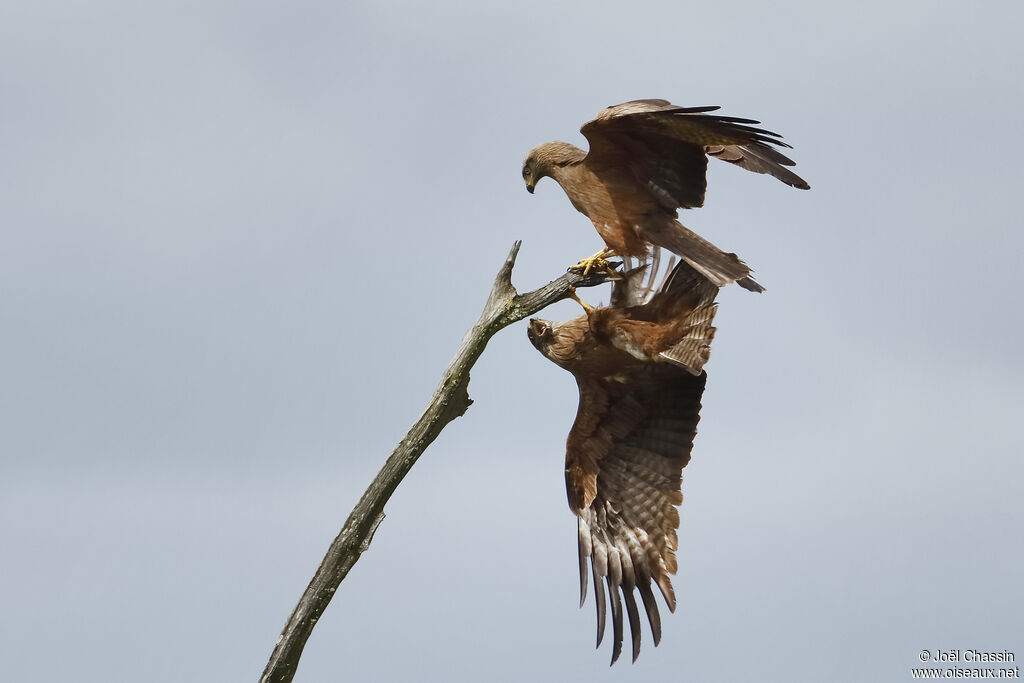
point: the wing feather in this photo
(616, 603)
(665, 148)
(637, 286)
(634, 620)
(651, 607)
(682, 313)
(584, 552)
(759, 158)
(599, 601)
(629, 528)
(632, 437)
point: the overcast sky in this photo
(239, 242)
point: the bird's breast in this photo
(612, 212)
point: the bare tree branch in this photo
(450, 400)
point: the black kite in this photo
(639, 371)
(647, 159)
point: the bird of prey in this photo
(647, 159)
(638, 365)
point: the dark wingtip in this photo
(750, 284)
(613, 592)
(634, 620)
(601, 608)
(583, 576)
(697, 110)
(651, 607)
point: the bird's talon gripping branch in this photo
(598, 261)
(575, 297)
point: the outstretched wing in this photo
(625, 454)
(759, 158)
(664, 148)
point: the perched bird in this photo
(639, 367)
(647, 159)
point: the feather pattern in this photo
(666, 147)
(674, 324)
(647, 160)
(628, 531)
(639, 370)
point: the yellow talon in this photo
(598, 260)
(575, 297)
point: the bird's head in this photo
(543, 159)
(561, 343)
(540, 333)
(532, 172)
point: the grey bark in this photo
(504, 307)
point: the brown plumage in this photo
(647, 159)
(638, 365)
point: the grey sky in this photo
(217, 219)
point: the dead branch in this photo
(450, 400)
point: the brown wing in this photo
(686, 304)
(664, 148)
(759, 158)
(625, 454)
(683, 287)
(675, 325)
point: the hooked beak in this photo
(537, 330)
(529, 187)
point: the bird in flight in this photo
(647, 159)
(638, 364)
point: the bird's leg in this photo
(598, 261)
(575, 297)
